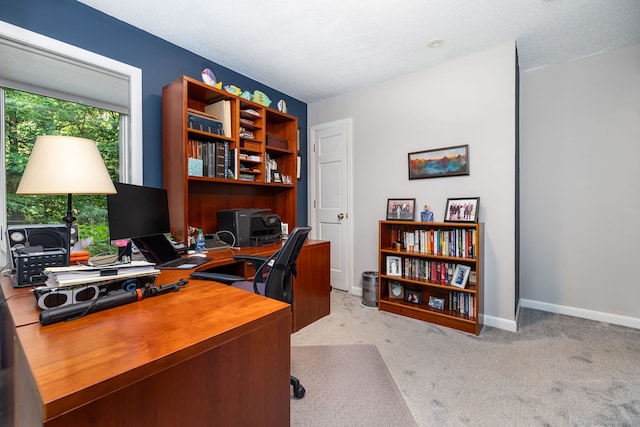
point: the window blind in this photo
(34, 69)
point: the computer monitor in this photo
(136, 211)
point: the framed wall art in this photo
(440, 162)
(462, 210)
(401, 209)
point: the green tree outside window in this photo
(28, 116)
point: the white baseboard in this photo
(616, 319)
(500, 323)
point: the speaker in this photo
(48, 236)
(49, 297)
(34, 247)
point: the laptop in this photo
(158, 249)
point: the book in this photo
(232, 172)
(219, 160)
(222, 110)
(204, 124)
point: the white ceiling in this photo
(313, 50)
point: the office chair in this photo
(273, 278)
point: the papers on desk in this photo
(81, 274)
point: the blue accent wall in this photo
(161, 62)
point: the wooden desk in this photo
(311, 288)
(206, 355)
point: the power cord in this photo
(233, 237)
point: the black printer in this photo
(250, 227)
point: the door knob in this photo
(340, 215)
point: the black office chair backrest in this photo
(278, 284)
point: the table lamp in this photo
(65, 165)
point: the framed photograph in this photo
(413, 296)
(440, 162)
(462, 210)
(401, 209)
(460, 276)
(435, 302)
(472, 278)
(276, 176)
(396, 290)
(394, 266)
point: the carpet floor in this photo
(347, 385)
(555, 370)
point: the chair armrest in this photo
(256, 261)
(217, 277)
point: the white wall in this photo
(580, 187)
(470, 100)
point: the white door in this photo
(330, 198)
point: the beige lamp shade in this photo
(65, 165)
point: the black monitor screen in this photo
(136, 211)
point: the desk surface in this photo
(22, 305)
(74, 363)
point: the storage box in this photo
(276, 142)
(195, 167)
(250, 146)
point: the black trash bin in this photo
(370, 288)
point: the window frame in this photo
(130, 156)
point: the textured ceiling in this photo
(313, 50)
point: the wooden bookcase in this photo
(195, 200)
(429, 253)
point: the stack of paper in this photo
(81, 274)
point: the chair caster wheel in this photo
(299, 392)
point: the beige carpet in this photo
(555, 371)
(347, 385)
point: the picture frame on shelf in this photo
(401, 209)
(276, 176)
(463, 209)
(396, 290)
(439, 162)
(413, 296)
(460, 276)
(436, 302)
(394, 266)
(472, 278)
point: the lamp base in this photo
(69, 219)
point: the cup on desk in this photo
(285, 230)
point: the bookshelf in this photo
(424, 265)
(245, 180)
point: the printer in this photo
(250, 227)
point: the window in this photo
(42, 66)
(27, 116)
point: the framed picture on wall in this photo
(439, 162)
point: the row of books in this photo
(270, 165)
(463, 303)
(217, 159)
(433, 271)
(456, 243)
(204, 122)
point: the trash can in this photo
(370, 288)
